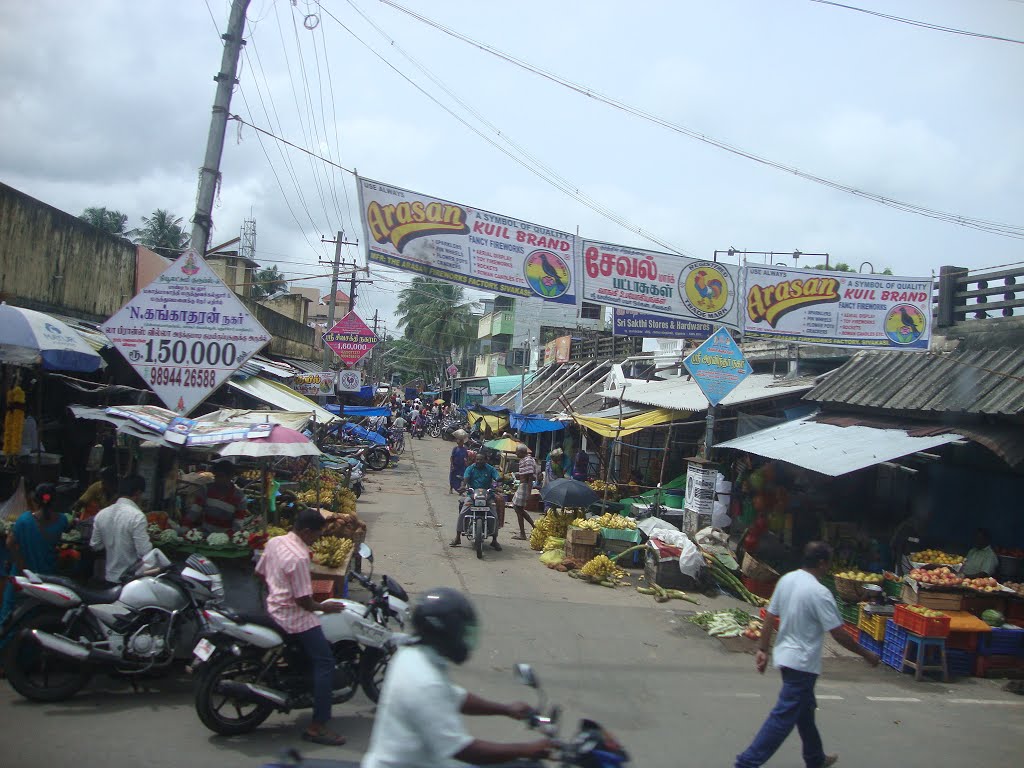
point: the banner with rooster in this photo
(847, 309)
(454, 242)
(660, 283)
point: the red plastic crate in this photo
(962, 641)
(760, 588)
(852, 630)
(922, 625)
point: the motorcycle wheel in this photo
(219, 712)
(39, 674)
(372, 667)
(478, 539)
(377, 459)
(435, 431)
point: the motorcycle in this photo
(375, 457)
(417, 430)
(591, 747)
(62, 633)
(481, 520)
(246, 667)
(433, 426)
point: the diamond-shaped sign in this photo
(718, 366)
(185, 333)
(350, 339)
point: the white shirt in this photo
(120, 529)
(806, 611)
(419, 718)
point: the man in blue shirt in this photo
(479, 474)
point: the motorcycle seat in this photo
(89, 596)
(261, 620)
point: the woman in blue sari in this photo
(457, 467)
(33, 541)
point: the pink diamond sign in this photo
(350, 339)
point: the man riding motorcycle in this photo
(419, 718)
(478, 475)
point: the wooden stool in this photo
(918, 662)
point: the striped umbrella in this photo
(32, 338)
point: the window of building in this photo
(590, 311)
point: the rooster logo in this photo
(704, 288)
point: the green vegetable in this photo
(993, 618)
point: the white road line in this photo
(747, 695)
(828, 697)
(907, 699)
(991, 702)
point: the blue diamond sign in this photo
(718, 366)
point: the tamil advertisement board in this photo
(700, 488)
(349, 381)
(350, 339)
(454, 242)
(807, 306)
(185, 333)
(557, 350)
(660, 283)
(647, 325)
(718, 366)
(314, 384)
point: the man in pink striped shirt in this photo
(285, 569)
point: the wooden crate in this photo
(665, 573)
(581, 536)
(930, 598)
(581, 553)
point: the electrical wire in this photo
(985, 225)
(922, 24)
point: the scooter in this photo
(591, 747)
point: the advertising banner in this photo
(185, 333)
(650, 326)
(350, 339)
(350, 381)
(449, 241)
(314, 384)
(718, 366)
(557, 350)
(660, 283)
(846, 309)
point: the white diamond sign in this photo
(185, 333)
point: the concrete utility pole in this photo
(332, 304)
(209, 176)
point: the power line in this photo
(922, 24)
(985, 225)
(290, 144)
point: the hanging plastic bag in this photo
(11, 509)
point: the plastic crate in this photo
(830, 583)
(760, 588)
(894, 645)
(962, 641)
(849, 611)
(867, 641)
(960, 663)
(852, 631)
(613, 547)
(872, 623)
(1002, 642)
(998, 666)
(892, 588)
(922, 625)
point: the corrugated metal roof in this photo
(500, 385)
(683, 394)
(833, 450)
(306, 366)
(989, 381)
(281, 397)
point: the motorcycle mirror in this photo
(365, 552)
(524, 674)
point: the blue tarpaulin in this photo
(530, 424)
(363, 433)
(359, 410)
(490, 409)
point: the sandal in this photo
(454, 543)
(324, 737)
(520, 537)
(496, 546)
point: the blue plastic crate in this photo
(894, 645)
(867, 641)
(1001, 642)
(960, 663)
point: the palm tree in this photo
(268, 281)
(163, 233)
(435, 316)
(112, 222)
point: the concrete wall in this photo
(291, 305)
(53, 261)
(291, 338)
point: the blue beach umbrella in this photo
(32, 338)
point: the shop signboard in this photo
(660, 283)
(700, 488)
(452, 371)
(647, 325)
(350, 339)
(350, 381)
(844, 309)
(557, 350)
(718, 366)
(185, 333)
(314, 384)
(454, 242)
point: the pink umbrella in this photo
(281, 441)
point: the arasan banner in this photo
(806, 306)
(660, 283)
(449, 241)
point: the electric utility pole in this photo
(209, 175)
(333, 303)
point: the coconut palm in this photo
(111, 222)
(268, 281)
(162, 232)
(435, 316)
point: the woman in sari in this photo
(457, 466)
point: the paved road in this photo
(674, 696)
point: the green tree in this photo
(842, 266)
(111, 222)
(437, 319)
(267, 282)
(162, 232)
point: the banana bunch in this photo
(616, 522)
(601, 568)
(14, 420)
(331, 552)
(274, 530)
(587, 525)
(251, 474)
(553, 542)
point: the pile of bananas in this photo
(14, 420)
(252, 474)
(331, 552)
(274, 530)
(601, 568)
(344, 501)
(593, 524)
(554, 523)
(617, 522)
(553, 542)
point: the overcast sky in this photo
(107, 103)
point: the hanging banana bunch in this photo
(14, 420)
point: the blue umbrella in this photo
(32, 338)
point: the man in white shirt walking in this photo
(120, 529)
(806, 610)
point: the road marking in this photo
(747, 695)
(991, 702)
(906, 699)
(828, 697)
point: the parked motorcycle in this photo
(375, 457)
(62, 632)
(246, 667)
(591, 747)
(481, 520)
(433, 426)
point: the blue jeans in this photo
(318, 650)
(795, 707)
